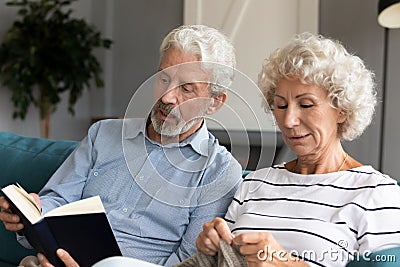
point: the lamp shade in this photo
(389, 13)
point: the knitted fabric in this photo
(228, 256)
(29, 261)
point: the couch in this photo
(31, 161)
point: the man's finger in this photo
(44, 262)
(4, 205)
(66, 258)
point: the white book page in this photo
(24, 202)
(84, 206)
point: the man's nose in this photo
(170, 96)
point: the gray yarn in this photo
(228, 256)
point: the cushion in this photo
(383, 258)
(245, 173)
(29, 161)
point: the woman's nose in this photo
(291, 117)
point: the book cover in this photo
(80, 227)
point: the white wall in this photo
(256, 27)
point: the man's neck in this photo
(164, 140)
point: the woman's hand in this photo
(63, 255)
(208, 240)
(262, 249)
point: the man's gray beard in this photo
(170, 130)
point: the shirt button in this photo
(141, 178)
(182, 201)
(95, 173)
(124, 209)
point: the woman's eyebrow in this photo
(298, 96)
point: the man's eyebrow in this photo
(163, 72)
(192, 84)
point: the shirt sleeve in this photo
(205, 213)
(380, 222)
(24, 241)
(66, 184)
(233, 212)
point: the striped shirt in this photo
(325, 219)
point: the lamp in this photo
(388, 17)
(389, 13)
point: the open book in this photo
(80, 227)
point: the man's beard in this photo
(171, 129)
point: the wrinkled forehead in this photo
(190, 72)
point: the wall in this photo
(256, 28)
(365, 38)
(137, 28)
(391, 152)
(30, 126)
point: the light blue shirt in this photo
(157, 198)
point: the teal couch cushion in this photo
(383, 258)
(30, 162)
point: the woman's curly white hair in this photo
(317, 60)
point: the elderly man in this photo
(162, 178)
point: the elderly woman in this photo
(323, 208)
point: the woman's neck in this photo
(330, 160)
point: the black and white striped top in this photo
(322, 218)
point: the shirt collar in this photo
(132, 128)
(198, 141)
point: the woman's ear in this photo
(216, 103)
(341, 116)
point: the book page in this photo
(84, 206)
(24, 202)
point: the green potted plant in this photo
(47, 52)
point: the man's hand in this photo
(11, 221)
(208, 240)
(63, 255)
(36, 198)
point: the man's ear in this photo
(216, 103)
